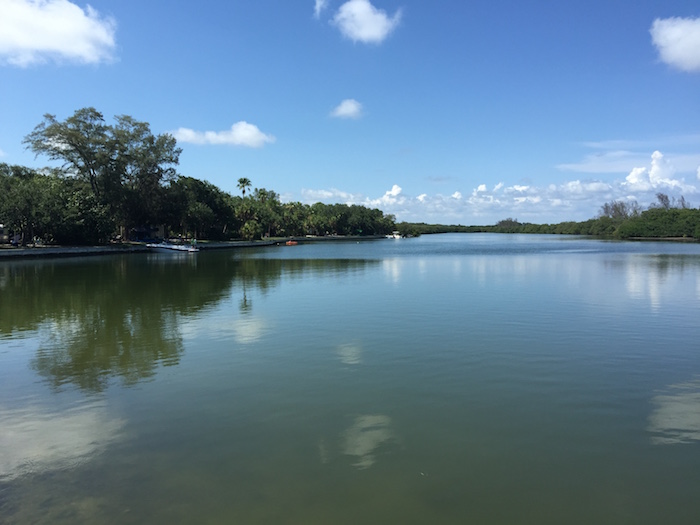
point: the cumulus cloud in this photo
(360, 21)
(348, 108)
(394, 191)
(393, 198)
(570, 200)
(659, 175)
(319, 6)
(33, 31)
(678, 42)
(241, 134)
(393, 195)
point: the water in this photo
(446, 379)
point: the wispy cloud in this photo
(34, 31)
(319, 6)
(2, 153)
(360, 21)
(678, 42)
(621, 156)
(332, 195)
(241, 134)
(615, 161)
(348, 108)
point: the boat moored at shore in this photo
(167, 247)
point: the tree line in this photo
(120, 181)
(666, 218)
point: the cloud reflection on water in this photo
(364, 437)
(350, 353)
(34, 439)
(675, 418)
(245, 330)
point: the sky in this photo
(453, 112)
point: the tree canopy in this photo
(121, 179)
(125, 165)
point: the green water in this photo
(445, 379)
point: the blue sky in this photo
(442, 111)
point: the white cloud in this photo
(570, 200)
(678, 42)
(319, 6)
(360, 21)
(518, 188)
(241, 134)
(576, 187)
(659, 175)
(348, 108)
(395, 190)
(34, 31)
(391, 199)
(2, 154)
(330, 196)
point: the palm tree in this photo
(243, 183)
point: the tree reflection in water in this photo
(107, 317)
(102, 317)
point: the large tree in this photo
(125, 165)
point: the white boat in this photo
(393, 235)
(172, 248)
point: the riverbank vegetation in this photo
(119, 181)
(666, 218)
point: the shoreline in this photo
(45, 252)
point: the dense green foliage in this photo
(120, 181)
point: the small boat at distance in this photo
(172, 248)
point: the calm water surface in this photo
(447, 379)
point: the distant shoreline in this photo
(48, 252)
